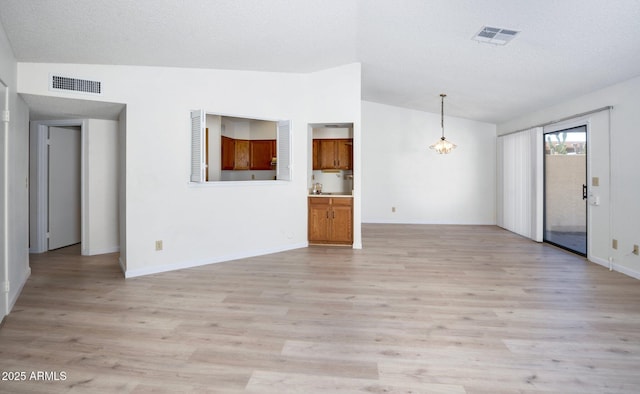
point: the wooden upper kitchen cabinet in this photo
(262, 151)
(331, 220)
(242, 154)
(344, 153)
(235, 154)
(228, 149)
(247, 154)
(333, 154)
(327, 154)
(316, 155)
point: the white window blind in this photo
(198, 165)
(283, 167)
(520, 187)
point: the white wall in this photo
(245, 219)
(248, 129)
(624, 139)
(399, 169)
(332, 132)
(102, 189)
(263, 130)
(14, 165)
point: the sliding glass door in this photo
(565, 185)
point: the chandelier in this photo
(442, 146)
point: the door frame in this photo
(40, 183)
(574, 123)
(5, 306)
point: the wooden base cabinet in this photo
(331, 220)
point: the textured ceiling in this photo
(410, 50)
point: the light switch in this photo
(595, 181)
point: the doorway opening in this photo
(565, 189)
(64, 187)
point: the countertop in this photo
(347, 195)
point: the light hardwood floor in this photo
(421, 309)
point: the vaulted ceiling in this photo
(410, 50)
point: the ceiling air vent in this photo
(495, 35)
(60, 83)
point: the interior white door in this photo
(64, 187)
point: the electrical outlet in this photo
(159, 245)
(595, 181)
(614, 243)
(393, 209)
(636, 250)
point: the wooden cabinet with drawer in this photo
(331, 220)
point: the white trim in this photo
(123, 266)
(18, 290)
(85, 237)
(237, 183)
(41, 128)
(198, 263)
(4, 210)
(396, 221)
(93, 252)
(616, 267)
(39, 244)
(587, 182)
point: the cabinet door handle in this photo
(334, 214)
(327, 214)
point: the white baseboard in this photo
(411, 221)
(93, 252)
(616, 267)
(123, 266)
(15, 293)
(198, 263)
